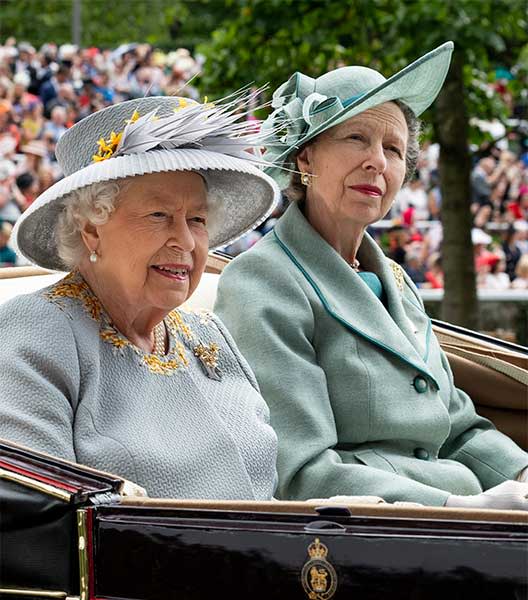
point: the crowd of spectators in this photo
(499, 208)
(44, 92)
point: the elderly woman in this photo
(360, 393)
(102, 368)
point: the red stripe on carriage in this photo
(43, 479)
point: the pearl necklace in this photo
(159, 339)
(355, 265)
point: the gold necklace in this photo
(159, 339)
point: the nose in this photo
(375, 160)
(180, 236)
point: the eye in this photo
(395, 150)
(355, 137)
(201, 220)
(158, 215)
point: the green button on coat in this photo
(420, 384)
(421, 453)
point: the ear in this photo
(304, 159)
(90, 236)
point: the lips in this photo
(369, 190)
(172, 271)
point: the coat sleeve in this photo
(473, 440)
(40, 376)
(272, 320)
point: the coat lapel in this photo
(342, 292)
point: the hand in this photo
(510, 495)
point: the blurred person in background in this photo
(491, 272)
(65, 97)
(434, 276)
(32, 122)
(10, 210)
(521, 274)
(50, 88)
(413, 196)
(511, 250)
(56, 126)
(8, 127)
(35, 156)
(7, 255)
(398, 238)
(27, 185)
(414, 266)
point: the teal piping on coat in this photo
(329, 310)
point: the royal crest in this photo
(318, 577)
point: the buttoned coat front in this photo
(361, 395)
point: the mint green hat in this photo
(305, 107)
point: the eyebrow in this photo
(163, 200)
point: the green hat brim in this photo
(417, 86)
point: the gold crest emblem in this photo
(318, 577)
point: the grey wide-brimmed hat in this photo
(305, 107)
(155, 135)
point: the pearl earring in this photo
(306, 179)
(93, 257)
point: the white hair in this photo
(93, 203)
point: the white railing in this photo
(483, 295)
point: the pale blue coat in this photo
(74, 388)
(361, 396)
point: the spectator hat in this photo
(156, 135)
(22, 78)
(7, 169)
(35, 147)
(480, 237)
(488, 259)
(305, 107)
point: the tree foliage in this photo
(104, 24)
(270, 39)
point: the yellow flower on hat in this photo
(133, 118)
(108, 147)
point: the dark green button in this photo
(420, 384)
(421, 453)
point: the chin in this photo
(171, 301)
(365, 217)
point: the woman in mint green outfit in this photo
(361, 395)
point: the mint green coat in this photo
(361, 397)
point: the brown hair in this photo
(296, 191)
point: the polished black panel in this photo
(188, 554)
(38, 540)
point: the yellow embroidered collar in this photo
(75, 287)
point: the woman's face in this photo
(358, 165)
(153, 249)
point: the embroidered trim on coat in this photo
(73, 286)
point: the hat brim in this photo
(417, 86)
(240, 197)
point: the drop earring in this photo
(93, 257)
(306, 179)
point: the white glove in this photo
(510, 495)
(129, 488)
(523, 475)
(348, 500)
